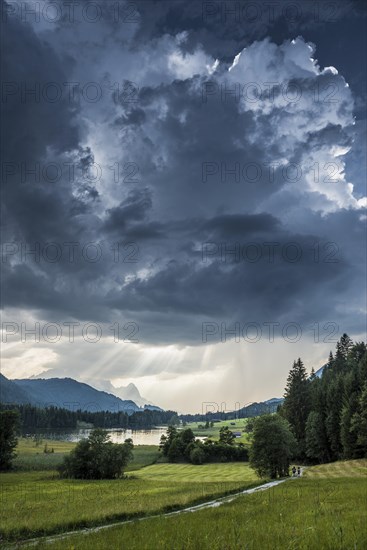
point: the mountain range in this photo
(123, 392)
(70, 394)
(99, 395)
(319, 372)
(255, 409)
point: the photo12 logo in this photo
(272, 172)
(68, 331)
(71, 11)
(269, 252)
(69, 252)
(251, 93)
(71, 93)
(268, 12)
(268, 331)
(69, 172)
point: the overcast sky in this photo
(183, 192)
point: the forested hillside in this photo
(329, 414)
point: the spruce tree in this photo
(296, 406)
(316, 441)
(346, 344)
(317, 447)
(359, 424)
(343, 348)
(351, 403)
(334, 403)
(9, 424)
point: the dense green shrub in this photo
(197, 455)
(97, 458)
(8, 439)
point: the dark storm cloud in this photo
(228, 226)
(176, 148)
(36, 209)
(181, 207)
(224, 28)
(134, 207)
(32, 124)
(262, 272)
(135, 117)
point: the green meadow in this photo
(206, 473)
(37, 502)
(31, 455)
(313, 512)
(325, 509)
(342, 468)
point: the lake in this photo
(117, 435)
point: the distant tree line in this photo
(328, 415)
(181, 446)
(250, 411)
(33, 418)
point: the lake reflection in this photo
(117, 435)
(139, 437)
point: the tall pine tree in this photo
(359, 424)
(296, 406)
(334, 403)
(317, 446)
(351, 405)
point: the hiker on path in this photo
(294, 471)
(299, 471)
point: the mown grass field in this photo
(206, 473)
(36, 503)
(309, 513)
(144, 455)
(343, 468)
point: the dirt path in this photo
(210, 504)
